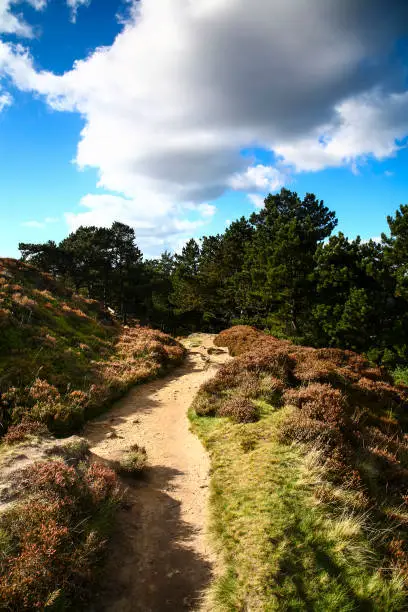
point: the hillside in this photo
(63, 360)
(62, 356)
(309, 477)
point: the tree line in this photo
(282, 270)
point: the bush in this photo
(206, 404)
(75, 449)
(134, 461)
(52, 539)
(240, 410)
(318, 401)
(24, 430)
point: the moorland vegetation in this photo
(63, 358)
(309, 477)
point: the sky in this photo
(179, 116)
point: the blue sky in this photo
(181, 115)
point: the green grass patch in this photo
(281, 549)
(401, 375)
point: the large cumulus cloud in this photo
(188, 84)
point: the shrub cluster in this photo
(349, 410)
(51, 539)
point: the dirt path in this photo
(159, 559)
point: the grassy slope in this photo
(62, 358)
(290, 537)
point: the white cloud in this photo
(207, 210)
(12, 23)
(74, 6)
(377, 239)
(158, 223)
(40, 224)
(5, 100)
(36, 224)
(367, 125)
(259, 177)
(189, 84)
(256, 199)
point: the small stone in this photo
(111, 435)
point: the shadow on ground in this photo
(150, 566)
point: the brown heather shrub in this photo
(227, 377)
(377, 394)
(51, 340)
(42, 391)
(392, 443)
(302, 428)
(240, 410)
(237, 339)
(78, 398)
(206, 405)
(309, 368)
(274, 361)
(250, 386)
(318, 401)
(23, 300)
(243, 338)
(54, 536)
(4, 317)
(25, 429)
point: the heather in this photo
(63, 358)
(309, 477)
(52, 538)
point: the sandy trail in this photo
(159, 558)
